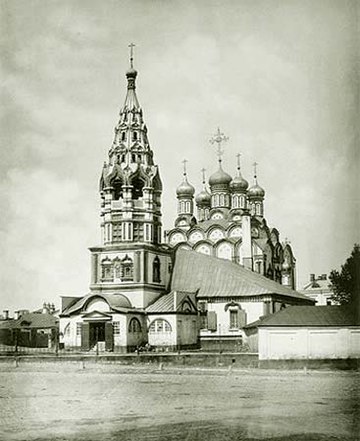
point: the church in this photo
(218, 269)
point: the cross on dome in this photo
(255, 164)
(203, 170)
(238, 156)
(131, 46)
(218, 138)
(185, 161)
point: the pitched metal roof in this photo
(165, 303)
(117, 302)
(213, 277)
(309, 316)
(171, 302)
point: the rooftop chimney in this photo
(6, 314)
(312, 277)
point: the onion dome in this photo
(131, 72)
(255, 191)
(239, 184)
(203, 198)
(220, 178)
(185, 189)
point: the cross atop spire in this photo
(218, 138)
(203, 170)
(131, 46)
(238, 156)
(255, 164)
(185, 161)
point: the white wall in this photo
(300, 342)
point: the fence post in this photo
(16, 340)
(56, 342)
(97, 341)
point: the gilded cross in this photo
(218, 138)
(131, 46)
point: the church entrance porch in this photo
(97, 335)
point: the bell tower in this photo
(131, 259)
(130, 184)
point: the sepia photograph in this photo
(180, 220)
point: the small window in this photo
(134, 136)
(159, 326)
(156, 270)
(107, 270)
(127, 269)
(78, 328)
(234, 319)
(123, 136)
(116, 328)
(134, 325)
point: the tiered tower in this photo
(131, 257)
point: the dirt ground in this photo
(112, 402)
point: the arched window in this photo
(138, 186)
(127, 269)
(107, 270)
(159, 326)
(258, 209)
(118, 193)
(134, 325)
(156, 270)
(242, 202)
(134, 136)
(123, 136)
(234, 318)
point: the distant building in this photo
(38, 329)
(307, 332)
(319, 289)
(200, 287)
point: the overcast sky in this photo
(280, 78)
